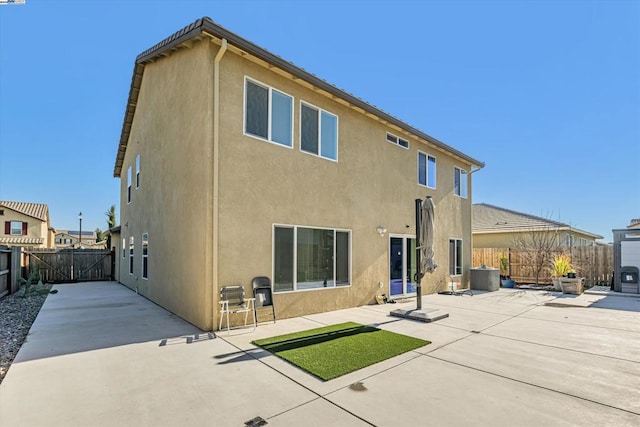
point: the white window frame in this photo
(138, 171)
(269, 113)
(464, 183)
(456, 273)
(295, 257)
(145, 257)
(426, 170)
(11, 229)
(320, 111)
(131, 251)
(396, 140)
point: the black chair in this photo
(262, 295)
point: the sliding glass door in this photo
(402, 266)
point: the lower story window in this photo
(455, 256)
(310, 258)
(131, 242)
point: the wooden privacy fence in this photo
(594, 263)
(10, 269)
(5, 256)
(70, 265)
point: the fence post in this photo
(16, 268)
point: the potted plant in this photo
(561, 265)
(505, 279)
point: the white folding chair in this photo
(232, 300)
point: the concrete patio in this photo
(100, 355)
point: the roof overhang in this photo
(205, 27)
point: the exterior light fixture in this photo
(381, 230)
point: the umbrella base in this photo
(425, 315)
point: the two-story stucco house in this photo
(235, 163)
(25, 224)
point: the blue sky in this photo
(546, 93)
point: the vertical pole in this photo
(418, 256)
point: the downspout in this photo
(214, 177)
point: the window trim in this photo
(320, 111)
(458, 193)
(144, 258)
(270, 89)
(397, 140)
(426, 178)
(295, 257)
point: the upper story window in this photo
(397, 140)
(318, 132)
(129, 185)
(268, 113)
(426, 170)
(15, 228)
(138, 171)
(460, 182)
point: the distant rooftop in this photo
(494, 219)
(35, 210)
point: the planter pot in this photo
(507, 283)
(571, 275)
(556, 284)
(572, 286)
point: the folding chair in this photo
(232, 300)
(262, 295)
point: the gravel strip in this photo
(17, 314)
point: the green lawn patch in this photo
(336, 350)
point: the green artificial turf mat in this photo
(336, 350)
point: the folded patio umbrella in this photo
(427, 214)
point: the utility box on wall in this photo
(626, 260)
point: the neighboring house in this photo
(634, 223)
(71, 239)
(234, 163)
(25, 224)
(496, 227)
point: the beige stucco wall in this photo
(35, 227)
(172, 133)
(261, 184)
(373, 183)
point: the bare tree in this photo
(537, 246)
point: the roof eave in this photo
(206, 25)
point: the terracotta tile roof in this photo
(36, 210)
(493, 219)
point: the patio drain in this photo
(256, 422)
